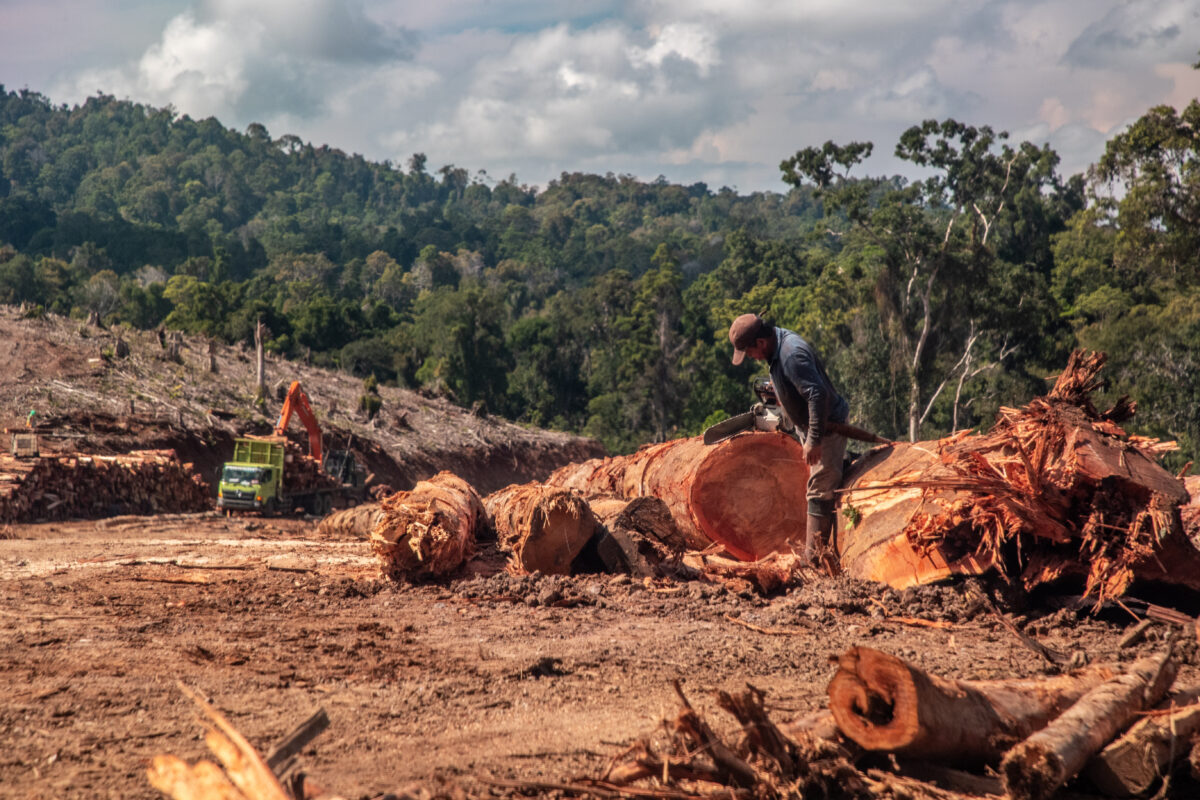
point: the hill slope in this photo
(88, 400)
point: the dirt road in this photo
(535, 678)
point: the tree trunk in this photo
(747, 492)
(352, 523)
(1037, 767)
(429, 530)
(545, 527)
(260, 362)
(1056, 486)
(886, 704)
(1132, 764)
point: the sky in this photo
(718, 91)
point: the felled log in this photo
(885, 704)
(1133, 763)
(1056, 487)
(429, 530)
(1038, 766)
(746, 493)
(636, 535)
(544, 527)
(355, 522)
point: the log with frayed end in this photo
(429, 530)
(544, 527)
(886, 704)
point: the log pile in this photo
(429, 530)
(1056, 488)
(91, 487)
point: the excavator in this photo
(261, 476)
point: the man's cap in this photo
(744, 332)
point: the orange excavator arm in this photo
(297, 403)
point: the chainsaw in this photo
(768, 415)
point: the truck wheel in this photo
(269, 507)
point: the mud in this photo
(437, 684)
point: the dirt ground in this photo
(535, 678)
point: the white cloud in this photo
(694, 89)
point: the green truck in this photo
(259, 478)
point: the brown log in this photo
(429, 530)
(356, 522)
(1056, 486)
(544, 527)
(886, 704)
(1133, 763)
(746, 492)
(636, 535)
(1038, 766)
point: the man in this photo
(810, 401)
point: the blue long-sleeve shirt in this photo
(803, 387)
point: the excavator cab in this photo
(343, 466)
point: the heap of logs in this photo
(90, 486)
(1055, 488)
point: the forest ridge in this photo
(599, 304)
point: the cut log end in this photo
(736, 497)
(1032, 773)
(874, 700)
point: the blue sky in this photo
(696, 90)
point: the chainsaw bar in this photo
(726, 428)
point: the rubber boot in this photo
(817, 545)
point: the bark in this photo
(637, 535)
(886, 704)
(352, 523)
(1037, 767)
(544, 527)
(1055, 486)
(429, 530)
(1132, 764)
(747, 493)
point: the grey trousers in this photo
(826, 475)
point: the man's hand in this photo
(812, 453)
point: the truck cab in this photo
(252, 480)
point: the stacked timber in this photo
(543, 527)
(746, 493)
(1056, 487)
(429, 530)
(90, 486)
